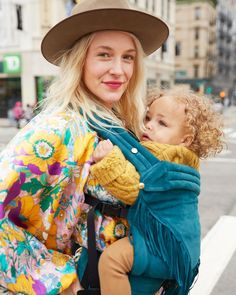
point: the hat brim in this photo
(151, 31)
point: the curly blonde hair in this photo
(202, 121)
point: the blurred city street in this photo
(217, 200)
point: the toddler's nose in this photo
(148, 125)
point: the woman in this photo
(18, 113)
(46, 166)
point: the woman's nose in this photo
(116, 67)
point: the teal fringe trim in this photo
(163, 242)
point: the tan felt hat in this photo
(90, 16)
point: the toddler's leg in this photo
(114, 264)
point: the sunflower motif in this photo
(12, 233)
(24, 284)
(84, 147)
(42, 152)
(43, 149)
(60, 259)
(11, 178)
(30, 213)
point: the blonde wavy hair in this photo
(202, 121)
(69, 94)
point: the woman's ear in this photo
(187, 140)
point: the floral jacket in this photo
(44, 172)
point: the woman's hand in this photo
(103, 148)
(73, 289)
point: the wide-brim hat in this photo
(90, 16)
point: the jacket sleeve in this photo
(37, 170)
(118, 176)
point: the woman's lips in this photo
(113, 84)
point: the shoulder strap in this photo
(133, 151)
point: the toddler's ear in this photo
(187, 140)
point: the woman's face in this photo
(109, 65)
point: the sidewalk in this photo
(7, 132)
(4, 122)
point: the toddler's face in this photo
(165, 122)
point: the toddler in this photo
(180, 127)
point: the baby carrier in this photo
(164, 224)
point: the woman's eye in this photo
(129, 57)
(104, 54)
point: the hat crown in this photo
(88, 5)
(89, 16)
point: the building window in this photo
(163, 50)
(165, 84)
(221, 68)
(162, 8)
(196, 34)
(154, 6)
(197, 12)
(168, 10)
(177, 49)
(196, 51)
(196, 71)
(19, 24)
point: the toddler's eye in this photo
(162, 123)
(147, 118)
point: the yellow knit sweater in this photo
(120, 178)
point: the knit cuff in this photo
(110, 167)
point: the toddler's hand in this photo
(102, 149)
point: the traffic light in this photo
(222, 94)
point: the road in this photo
(217, 208)
(217, 199)
(218, 183)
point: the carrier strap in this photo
(90, 280)
(133, 151)
(89, 292)
(105, 208)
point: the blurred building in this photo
(23, 71)
(225, 78)
(195, 47)
(160, 65)
(25, 74)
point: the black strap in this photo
(114, 210)
(89, 292)
(90, 280)
(91, 277)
